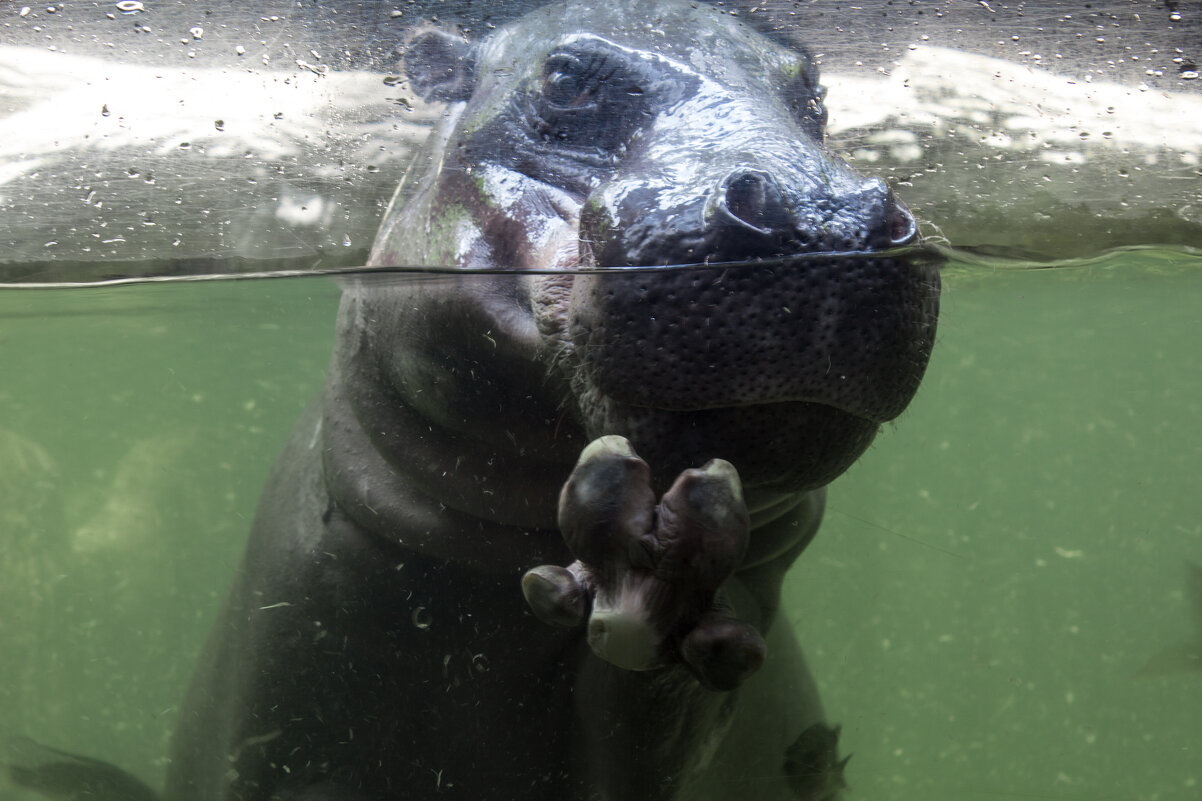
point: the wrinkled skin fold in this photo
(529, 541)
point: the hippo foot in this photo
(647, 576)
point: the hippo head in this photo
(632, 134)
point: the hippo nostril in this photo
(747, 197)
(902, 228)
(753, 198)
(889, 222)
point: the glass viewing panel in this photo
(569, 325)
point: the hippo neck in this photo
(422, 457)
(438, 486)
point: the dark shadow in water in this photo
(1186, 656)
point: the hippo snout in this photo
(750, 202)
(805, 298)
(853, 333)
(749, 213)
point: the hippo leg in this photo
(671, 700)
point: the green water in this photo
(1051, 468)
(990, 578)
(137, 426)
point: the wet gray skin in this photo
(376, 644)
(632, 142)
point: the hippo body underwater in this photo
(375, 644)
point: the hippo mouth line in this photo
(762, 404)
(777, 446)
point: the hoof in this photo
(648, 573)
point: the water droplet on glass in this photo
(240, 50)
(24, 12)
(185, 145)
(197, 32)
(421, 618)
(219, 124)
(130, 6)
(346, 241)
(104, 110)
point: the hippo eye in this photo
(567, 84)
(590, 100)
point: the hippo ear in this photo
(441, 66)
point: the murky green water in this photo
(137, 427)
(995, 571)
(991, 576)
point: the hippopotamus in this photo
(529, 540)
